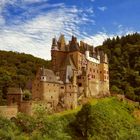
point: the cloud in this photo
(103, 8)
(2, 5)
(34, 1)
(100, 37)
(90, 10)
(2, 21)
(97, 39)
(34, 36)
(32, 30)
(123, 30)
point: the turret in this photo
(74, 46)
(54, 44)
(94, 53)
(87, 52)
(106, 58)
(98, 56)
(62, 43)
(43, 75)
(103, 57)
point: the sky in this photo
(29, 25)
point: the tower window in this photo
(79, 77)
(13, 100)
(80, 84)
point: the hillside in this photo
(124, 65)
(18, 69)
(103, 119)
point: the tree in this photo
(26, 95)
(124, 63)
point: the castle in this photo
(78, 71)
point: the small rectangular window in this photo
(80, 84)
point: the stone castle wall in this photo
(9, 111)
(25, 107)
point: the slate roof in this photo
(50, 76)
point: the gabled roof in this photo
(14, 90)
(50, 76)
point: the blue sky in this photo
(29, 25)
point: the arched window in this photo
(13, 100)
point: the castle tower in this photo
(54, 44)
(87, 53)
(43, 75)
(104, 74)
(105, 58)
(74, 80)
(62, 43)
(74, 46)
(98, 56)
(54, 50)
(94, 53)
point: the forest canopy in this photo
(124, 64)
(18, 70)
